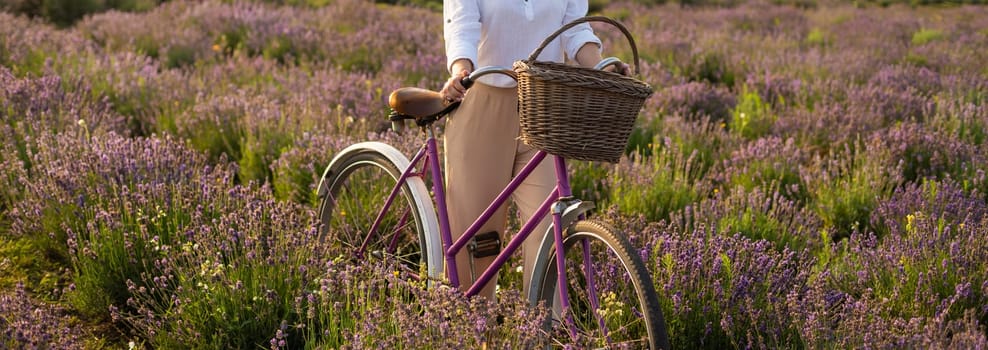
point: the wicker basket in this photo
(575, 112)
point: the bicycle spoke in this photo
(393, 245)
(611, 300)
(359, 190)
(589, 271)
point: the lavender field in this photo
(801, 178)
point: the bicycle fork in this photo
(557, 232)
(566, 200)
(565, 212)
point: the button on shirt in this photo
(500, 32)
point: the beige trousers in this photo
(483, 154)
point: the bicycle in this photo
(609, 299)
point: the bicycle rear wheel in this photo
(612, 302)
(353, 193)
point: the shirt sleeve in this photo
(574, 38)
(461, 30)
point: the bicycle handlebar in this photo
(607, 62)
(468, 81)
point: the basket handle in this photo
(627, 34)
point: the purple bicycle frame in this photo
(429, 154)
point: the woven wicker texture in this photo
(575, 112)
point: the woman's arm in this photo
(581, 43)
(589, 55)
(461, 32)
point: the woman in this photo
(483, 151)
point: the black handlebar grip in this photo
(466, 82)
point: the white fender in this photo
(420, 194)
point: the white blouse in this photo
(500, 32)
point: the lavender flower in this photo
(26, 323)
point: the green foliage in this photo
(817, 37)
(32, 64)
(111, 252)
(179, 56)
(21, 263)
(359, 60)
(435, 5)
(659, 186)
(146, 45)
(260, 147)
(651, 2)
(916, 59)
(967, 128)
(281, 49)
(220, 137)
(64, 13)
(804, 4)
(715, 3)
(103, 269)
(296, 182)
(175, 56)
(771, 175)
(642, 135)
(711, 67)
(589, 181)
(752, 118)
(99, 256)
(757, 226)
(845, 206)
(763, 215)
(219, 142)
(925, 36)
(596, 6)
(123, 82)
(845, 198)
(306, 3)
(232, 300)
(13, 169)
(232, 40)
(702, 142)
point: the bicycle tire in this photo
(633, 318)
(352, 192)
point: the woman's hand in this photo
(619, 68)
(589, 55)
(453, 90)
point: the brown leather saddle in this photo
(422, 105)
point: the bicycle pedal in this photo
(485, 244)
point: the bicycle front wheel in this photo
(612, 302)
(359, 222)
